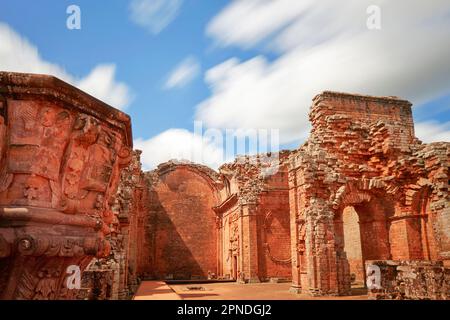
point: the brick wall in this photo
(411, 280)
(274, 232)
(185, 234)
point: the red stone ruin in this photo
(362, 191)
(362, 159)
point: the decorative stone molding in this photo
(61, 152)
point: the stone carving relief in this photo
(234, 234)
(59, 167)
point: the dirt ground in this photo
(158, 290)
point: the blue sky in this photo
(143, 60)
(247, 64)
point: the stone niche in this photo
(61, 152)
(254, 221)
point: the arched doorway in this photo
(362, 234)
(352, 245)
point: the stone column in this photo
(297, 245)
(61, 152)
(325, 265)
(219, 225)
(249, 244)
(442, 210)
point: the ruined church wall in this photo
(274, 235)
(62, 154)
(185, 232)
(274, 227)
(362, 152)
(405, 280)
(394, 112)
(256, 219)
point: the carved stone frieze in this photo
(61, 152)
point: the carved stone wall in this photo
(202, 224)
(61, 152)
(119, 273)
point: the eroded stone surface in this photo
(419, 280)
(60, 159)
(182, 232)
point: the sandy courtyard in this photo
(159, 290)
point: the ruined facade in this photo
(254, 220)
(362, 153)
(218, 225)
(362, 188)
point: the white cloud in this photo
(179, 144)
(324, 46)
(101, 83)
(246, 22)
(17, 54)
(184, 73)
(154, 15)
(433, 131)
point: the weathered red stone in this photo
(60, 158)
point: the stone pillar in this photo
(220, 246)
(325, 265)
(249, 243)
(297, 245)
(61, 152)
(443, 229)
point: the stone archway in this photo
(362, 232)
(362, 222)
(352, 242)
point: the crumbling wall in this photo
(362, 152)
(419, 280)
(97, 284)
(118, 275)
(63, 154)
(274, 228)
